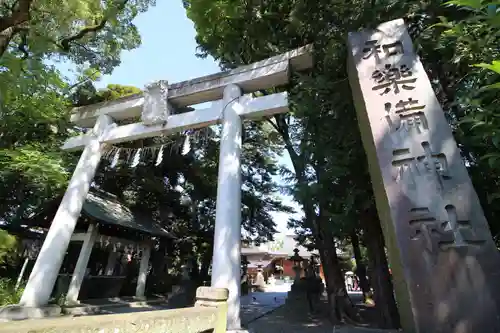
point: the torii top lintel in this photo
(268, 73)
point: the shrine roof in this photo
(105, 208)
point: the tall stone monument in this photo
(445, 265)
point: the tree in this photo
(34, 97)
(81, 31)
(470, 90)
(33, 126)
(8, 245)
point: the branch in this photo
(273, 125)
(66, 42)
(294, 157)
(87, 49)
(20, 14)
(79, 83)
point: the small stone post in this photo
(297, 297)
(297, 259)
(315, 265)
(244, 275)
(244, 265)
(297, 270)
(214, 297)
(186, 270)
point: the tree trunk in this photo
(333, 310)
(381, 279)
(9, 24)
(5, 38)
(195, 270)
(206, 260)
(341, 307)
(360, 266)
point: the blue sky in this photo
(168, 53)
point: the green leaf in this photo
(490, 156)
(496, 141)
(441, 24)
(493, 196)
(476, 4)
(494, 66)
(466, 120)
(490, 87)
(479, 123)
(7, 245)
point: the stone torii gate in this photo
(156, 107)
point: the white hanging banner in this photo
(159, 158)
(186, 147)
(132, 156)
(137, 158)
(116, 158)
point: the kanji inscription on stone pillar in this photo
(445, 264)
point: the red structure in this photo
(275, 259)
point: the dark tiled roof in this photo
(106, 208)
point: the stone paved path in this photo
(258, 304)
(281, 319)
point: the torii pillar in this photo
(226, 263)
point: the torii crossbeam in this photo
(155, 107)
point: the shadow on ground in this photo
(287, 319)
(258, 304)
(282, 320)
